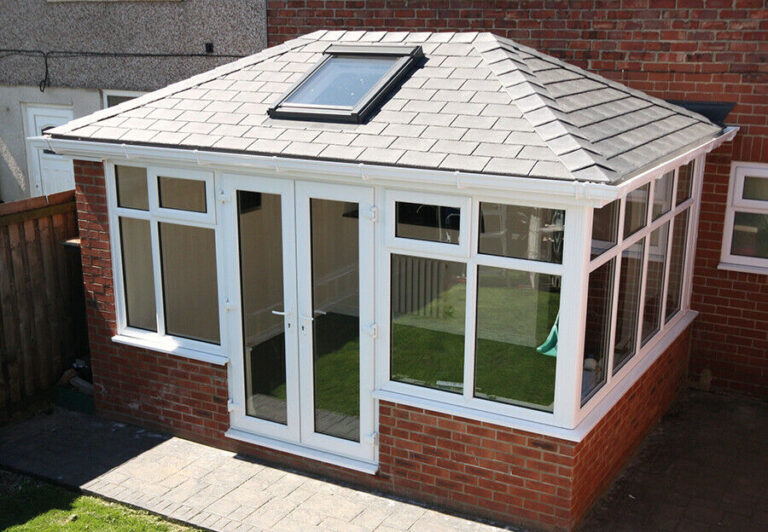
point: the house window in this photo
(110, 98)
(637, 279)
(745, 239)
(348, 83)
(474, 324)
(168, 278)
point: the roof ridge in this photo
(541, 110)
(609, 82)
(188, 83)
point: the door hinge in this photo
(373, 213)
(373, 438)
(373, 330)
(231, 405)
(224, 198)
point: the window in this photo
(348, 83)
(168, 273)
(637, 279)
(110, 98)
(745, 239)
(474, 326)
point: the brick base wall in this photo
(460, 464)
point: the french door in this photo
(301, 300)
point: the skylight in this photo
(347, 84)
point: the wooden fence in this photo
(42, 310)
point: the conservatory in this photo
(386, 245)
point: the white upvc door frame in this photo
(227, 190)
(365, 449)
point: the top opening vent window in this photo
(347, 84)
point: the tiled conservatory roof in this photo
(480, 103)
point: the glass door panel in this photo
(261, 284)
(334, 258)
(336, 318)
(260, 237)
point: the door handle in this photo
(308, 318)
(280, 313)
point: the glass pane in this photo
(750, 235)
(662, 194)
(427, 334)
(628, 304)
(677, 264)
(598, 329)
(113, 99)
(517, 337)
(336, 312)
(427, 222)
(132, 187)
(636, 210)
(605, 228)
(190, 290)
(261, 279)
(684, 182)
(521, 232)
(755, 188)
(138, 275)
(182, 194)
(342, 81)
(654, 281)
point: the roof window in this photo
(347, 84)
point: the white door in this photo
(48, 173)
(302, 291)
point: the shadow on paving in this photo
(71, 448)
(704, 468)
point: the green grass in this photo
(28, 505)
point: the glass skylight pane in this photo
(342, 81)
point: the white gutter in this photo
(568, 192)
(562, 191)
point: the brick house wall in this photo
(463, 465)
(702, 50)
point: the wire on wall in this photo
(46, 81)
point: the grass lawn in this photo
(30, 505)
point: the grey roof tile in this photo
(480, 103)
(380, 155)
(341, 152)
(464, 162)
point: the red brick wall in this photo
(710, 50)
(461, 464)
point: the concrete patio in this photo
(702, 469)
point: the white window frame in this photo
(643, 350)
(160, 341)
(409, 245)
(105, 93)
(736, 202)
(466, 403)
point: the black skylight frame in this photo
(407, 56)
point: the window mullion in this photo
(665, 284)
(158, 274)
(641, 303)
(615, 296)
(470, 330)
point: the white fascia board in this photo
(551, 190)
(684, 158)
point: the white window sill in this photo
(170, 347)
(744, 268)
(300, 450)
